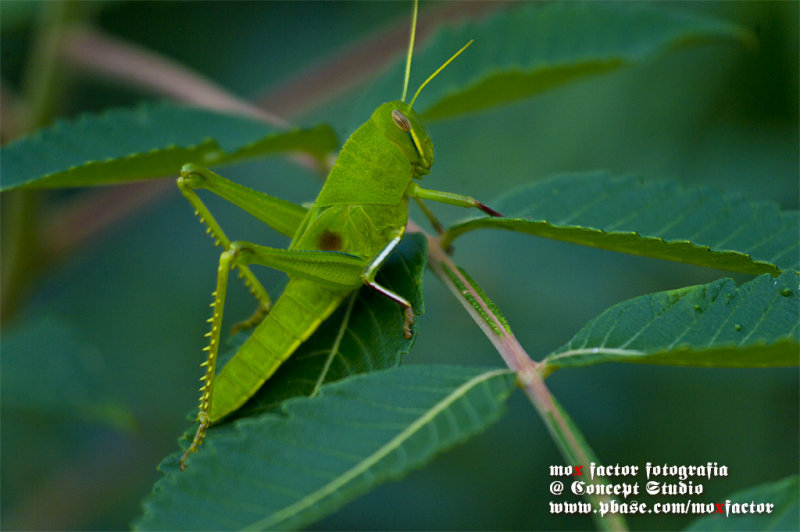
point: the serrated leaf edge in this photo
(760, 266)
(211, 151)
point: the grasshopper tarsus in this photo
(185, 456)
(408, 321)
(488, 210)
(199, 436)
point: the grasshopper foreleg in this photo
(459, 200)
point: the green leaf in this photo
(785, 514)
(284, 472)
(660, 219)
(47, 370)
(151, 140)
(365, 337)
(715, 324)
(543, 47)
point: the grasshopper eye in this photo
(401, 121)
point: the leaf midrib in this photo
(363, 466)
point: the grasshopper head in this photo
(403, 127)
(398, 121)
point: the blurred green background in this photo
(138, 294)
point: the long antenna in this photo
(410, 50)
(437, 72)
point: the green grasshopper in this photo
(337, 245)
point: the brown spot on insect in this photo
(401, 120)
(330, 241)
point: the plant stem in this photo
(20, 233)
(97, 52)
(570, 442)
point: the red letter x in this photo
(577, 472)
(719, 508)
